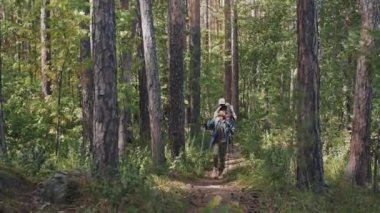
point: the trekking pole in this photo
(203, 138)
(226, 160)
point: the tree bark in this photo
(105, 102)
(3, 144)
(153, 83)
(309, 173)
(235, 58)
(45, 49)
(143, 91)
(358, 168)
(207, 40)
(377, 24)
(124, 4)
(87, 87)
(195, 64)
(227, 51)
(176, 78)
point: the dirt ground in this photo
(204, 194)
(223, 195)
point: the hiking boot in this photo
(214, 173)
(220, 175)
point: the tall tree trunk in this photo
(207, 40)
(3, 147)
(377, 147)
(176, 103)
(195, 64)
(143, 91)
(377, 25)
(124, 4)
(105, 101)
(358, 168)
(235, 58)
(212, 20)
(87, 87)
(309, 172)
(45, 49)
(125, 123)
(153, 83)
(227, 51)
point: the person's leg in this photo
(222, 157)
(231, 137)
(215, 153)
(230, 143)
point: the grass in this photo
(271, 169)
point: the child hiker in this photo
(222, 131)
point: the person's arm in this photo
(216, 112)
(233, 112)
(211, 124)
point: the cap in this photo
(222, 101)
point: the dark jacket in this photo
(212, 124)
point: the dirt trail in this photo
(223, 195)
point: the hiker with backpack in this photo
(230, 116)
(222, 131)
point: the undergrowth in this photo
(272, 170)
(195, 160)
(137, 189)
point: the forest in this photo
(189, 105)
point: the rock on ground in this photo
(61, 188)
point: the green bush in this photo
(195, 160)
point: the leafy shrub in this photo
(135, 189)
(194, 161)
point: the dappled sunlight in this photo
(189, 106)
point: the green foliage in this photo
(133, 173)
(340, 34)
(271, 157)
(268, 53)
(136, 189)
(342, 198)
(194, 161)
(267, 49)
(31, 122)
(336, 148)
(272, 168)
(215, 204)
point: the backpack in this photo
(221, 131)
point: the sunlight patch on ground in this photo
(207, 187)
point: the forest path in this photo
(207, 194)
